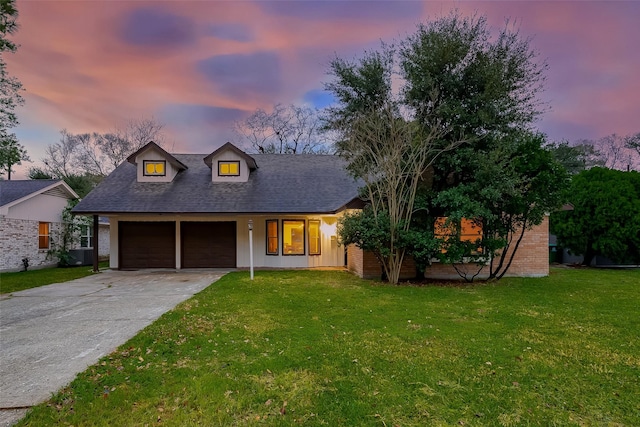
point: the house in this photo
(30, 217)
(195, 210)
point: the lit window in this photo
(272, 237)
(228, 168)
(314, 237)
(292, 237)
(468, 231)
(154, 168)
(43, 235)
(86, 236)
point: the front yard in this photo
(325, 348)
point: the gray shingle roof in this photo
(10, 191)
(302, 183)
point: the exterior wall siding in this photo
(19, 239)
(332, 254)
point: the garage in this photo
(147, 244)
(208, 244)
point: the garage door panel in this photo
(208, 244)
(147, 244)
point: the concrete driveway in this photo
(50, 334)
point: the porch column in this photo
(96, 239)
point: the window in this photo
(228, 168)
(43, 235)
(468, 231)
(314, 237)
(86, 236)
(272, 237)
(292, 237)
(154, 167)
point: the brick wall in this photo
(531, 260)
(19, 239)
(367, 266)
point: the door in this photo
(208, 244)
(147, 244)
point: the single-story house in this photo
(31, 221)
(196, 210)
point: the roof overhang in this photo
(58, 188)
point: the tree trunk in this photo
(589, 255)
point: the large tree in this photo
(390, 155)
(605, 219)
(459, 82)
(11, 151)
(286, 129)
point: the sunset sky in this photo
(199, 66)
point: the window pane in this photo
(293, 237)
(154, 168)
(272, 237)
(229, 168)
(43, 228)
(470, 231)
(314, 237)
(43, 235)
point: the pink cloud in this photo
(100, 63)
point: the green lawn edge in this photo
(326, 348)
(22, 280)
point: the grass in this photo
(19, 281)
(324, 348)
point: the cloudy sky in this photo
(199, 66)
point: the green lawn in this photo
(13, 282)
(324, 348)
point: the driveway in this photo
(50, 334)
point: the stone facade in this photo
(19, 239)
(531, 260)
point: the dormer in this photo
(154, 164)
(230, 164)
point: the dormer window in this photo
(226, 168)
(155, 167)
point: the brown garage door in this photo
(147, 244)
(208, 244)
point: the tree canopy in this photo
(605, 219)
(11, 151)
(477, 95)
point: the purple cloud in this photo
(241, 76)
(156, 28)
(199, 115)
(338, 10)
(235, 32)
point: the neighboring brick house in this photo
(30, 215)
(31, 221)
(194, 210)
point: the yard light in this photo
(250, 223)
